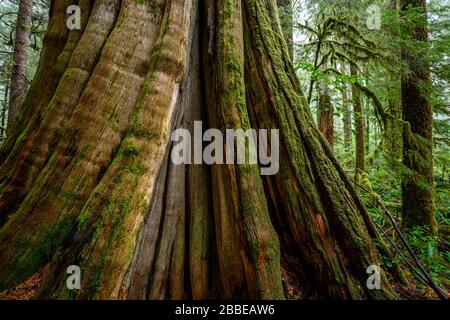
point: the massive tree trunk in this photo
(19, 82)
(359, 125)
(89, 181)
(417, 183)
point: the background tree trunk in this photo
(92, 183)
(326, 114)
(417, 184)
(359, 124)
(367, 126)
(4, 117)
(347, 117)
(19, 81)
(286, 13)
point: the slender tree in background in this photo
(325, 113)
(359, 124)
(3, 118)
(367, 126)
(417, 185)
(347, 116)
(286, 12)
(392, 135)
(19, 82)
(90, 182)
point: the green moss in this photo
(137, 169)
(71, 196)
(128, 150)
(136, 130)
(96, 277)
(33, 251)
(83, 152)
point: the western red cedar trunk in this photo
(325, 114)
(91, 183)
(417, 111)
(359, 124)
(19, 81)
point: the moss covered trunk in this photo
(87, 177)
(360, 153)
(417, 111)
(346, 114)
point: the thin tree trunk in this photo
(417, 184)
(359, 125)
(92, 183)
(392, 135)
(367, 126)
(5, 110)
(19, 82)
(286, 14)
(347, 117)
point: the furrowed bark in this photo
(200, 218)
(311, 207)
(50, 69)
(173, 214)
(60, 194)
(43, 140)
(248, 205)
(131, 178)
